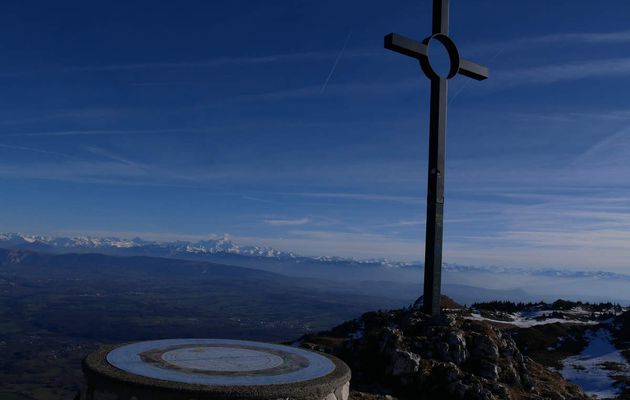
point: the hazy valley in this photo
(57, 306)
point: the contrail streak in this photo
(34, 150)
(332, 70)
(465, 85)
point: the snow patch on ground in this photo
(359, 332)
(526, 322)
(587, 369)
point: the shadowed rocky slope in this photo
(405, 354)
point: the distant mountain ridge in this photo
(224, 246)
(218, 245)
(212, 246)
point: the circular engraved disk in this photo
(221, 359)
(220, 362)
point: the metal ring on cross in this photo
(453, 55)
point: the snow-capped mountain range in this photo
(214, 245)
(223, 245)
(211, 246)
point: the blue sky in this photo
(286, 123)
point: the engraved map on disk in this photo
(222, 359)
(220, 362)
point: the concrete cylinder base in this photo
(215, 369)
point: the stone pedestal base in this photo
(215, 369)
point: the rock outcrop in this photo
(406, 354)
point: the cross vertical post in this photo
(435, 180)
(437, 139)
(435, 198)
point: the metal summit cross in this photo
(437, 137)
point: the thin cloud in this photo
(89, 132)
(112, 170)
(352, 89)
(36, 150)
(545, 74)
(259, 200)
(575, 38)
(572, 116)
(287, 222)
(352, 244)
(88, 172)
(406, 223)
(359, 196)
(583, 37)
(114, 157)
(218, 62)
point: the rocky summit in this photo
(407, 354)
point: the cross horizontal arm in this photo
(406, 46)
(411, 48)
(473, 70)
